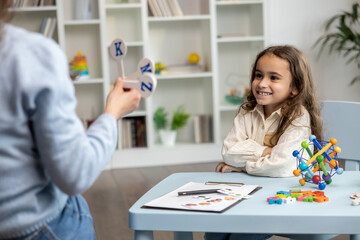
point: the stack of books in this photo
(32, 3)
(48, 26)
(203, 128)
(164, 8)
(132, 132)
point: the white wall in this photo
(300, 23)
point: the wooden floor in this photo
(115, 191)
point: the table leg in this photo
(354, 237)
(183, 236)
(143, 235)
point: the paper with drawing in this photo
(226, 196)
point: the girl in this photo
(281, 111)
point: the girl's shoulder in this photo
(303, 118)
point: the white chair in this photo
(341, 121)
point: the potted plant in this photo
(168, 132)
(346, 38)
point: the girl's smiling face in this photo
(272, 84)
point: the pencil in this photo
(195, 192)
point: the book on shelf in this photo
(203, 128)
(132, 132)
(48, 26)
(32, 3)
(154, 11)
(175, 8)
(164, 8)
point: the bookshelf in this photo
(236, 50)
(225, 34)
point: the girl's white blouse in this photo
(250, 135)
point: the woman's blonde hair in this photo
(302, 81)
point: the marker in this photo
(196, 192)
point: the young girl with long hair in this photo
(281, 111)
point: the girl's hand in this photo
(120, 102)
(223, 167)
(267, 151)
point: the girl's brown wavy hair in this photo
(302, 80)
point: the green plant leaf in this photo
(180, 118)
(355, 79)
(345, 37)
(160, 118)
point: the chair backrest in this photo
(342, 122)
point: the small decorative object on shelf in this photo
(160, 68)
(179, 120)
(79, 68)
(325, 154)
(193, 58)
(191, 65)
(238, 90)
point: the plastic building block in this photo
(281, 196)
(319, 193)
(274, 200)
(289, 200)
(301, 197)
(309, 199)
(283, 193)
(296, 195)
(321, 199)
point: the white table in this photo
(253, 215)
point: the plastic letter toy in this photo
(143, 79)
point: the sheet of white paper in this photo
(215, 202)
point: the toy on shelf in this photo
(193, 58)
(79, 68)
(238, 90)
(160, 68)
(313, 166)
(143, 79)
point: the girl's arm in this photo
(223, 167)
(238, 148)
(280, 162)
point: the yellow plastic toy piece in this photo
(327, 146)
